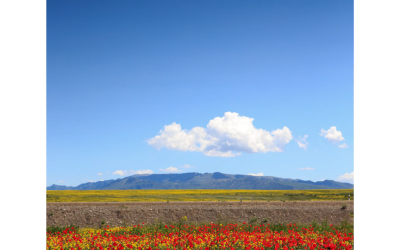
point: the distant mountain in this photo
(205, 181)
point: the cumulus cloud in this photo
(145, 171)
(225, 136)
(333, 135)
(100, 174)
(308, 168)
(131, 172)
(186, 166)
(259, 174)
(170, 170)
(344, 145)
(120, 172)
(302, 142)
(61, 181)
(176, 169)
(347, 177)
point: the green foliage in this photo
(344, 224)
(54, 229)
(253, 220)
(323, 226)
(278, 227)
(314, 224)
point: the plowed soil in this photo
(119, 214)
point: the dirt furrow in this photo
(120, 214)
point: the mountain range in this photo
(205, 181)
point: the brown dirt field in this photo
(120, 214)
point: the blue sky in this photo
(121, 76)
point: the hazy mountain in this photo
(205, 181)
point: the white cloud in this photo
(225, 136)
(145, 171)
(176, 169)
(347, 177)
(333, 135)
(61, 181)
(100, 174)
(107, 172)
(259, 174)
(344, 145)
(308, 168)
(302, 142)
(131, 172)
(170, 170)
(120, 172)
(186, 166)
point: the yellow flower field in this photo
(196, 195)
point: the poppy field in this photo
(206, 237)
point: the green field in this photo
(196, 195)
